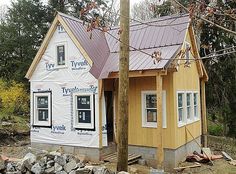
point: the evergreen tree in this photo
(20, 37)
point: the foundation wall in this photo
(172, 157)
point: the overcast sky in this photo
(7, 2)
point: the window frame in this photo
(192, 118)
(182, 122)
(84, 126)
(197, 106)
(146, 124)
(57, 66)
(36, 122)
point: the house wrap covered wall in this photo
(60, 84)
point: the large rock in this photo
(122, 172)
(60, 160)
(26, 164)
(61, 172)
(37, 169)
(30, 157)
(70, 166)
(50, 164)
(83, 171)
(51, 155)
(10, 167)
(80, 165)
(57, 167)
(49, 170)
(16, 172)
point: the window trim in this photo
(36, 123)
(191, 106)
(146, 124)
(56, 55)
(181, 123)
(84, 126)
(192, 118)
(198, 106)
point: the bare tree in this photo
(145, 9)
(3, 12)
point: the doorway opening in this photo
(109, 116)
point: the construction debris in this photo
(205, 157)
(226, 156)
(185, 167)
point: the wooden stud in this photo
(160, 150)
(100, 96)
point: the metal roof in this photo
(165, 34)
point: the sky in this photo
(8, 2)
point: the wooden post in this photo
(122, 147)
(160, 151)
(203, 113)
(100, 96)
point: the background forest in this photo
(24, 24)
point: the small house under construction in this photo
(74, 90)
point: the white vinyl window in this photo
(189, 105)
(195, 105)
(61, 55)
(84, 111)
(149, 109)
(181, 108)
(42, 109)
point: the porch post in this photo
(203, 114)
(160, 151)
(100, 96)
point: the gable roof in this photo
(165, 34)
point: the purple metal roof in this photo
(165, 34)
(96, 48)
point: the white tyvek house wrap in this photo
(62, 82)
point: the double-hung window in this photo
(195, 105)
(181, 107)
(84, 111)
(149, 109)
(61, 55)
(42, 109)
(189, 105)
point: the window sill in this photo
(148, 125)
(43, 126)
(181, 124)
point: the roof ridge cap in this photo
(70, 17)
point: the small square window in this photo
(60, 55)
(42, 109)
(84, 111)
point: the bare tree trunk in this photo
(122, 133)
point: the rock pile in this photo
(50, 163)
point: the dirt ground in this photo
(16, 146)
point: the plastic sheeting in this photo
(63, 82)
